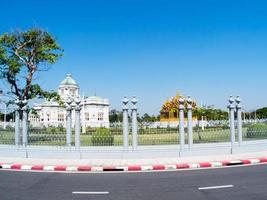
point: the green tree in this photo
(261, 113)
(210, 113)
(147, 118)
(115, 116)
(22, 55)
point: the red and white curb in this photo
(62, 168)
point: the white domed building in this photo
(94, 110)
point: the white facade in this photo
(94, 110)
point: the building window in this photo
(87, 116)
(61, 117)
(100, 116)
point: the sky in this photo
(152, 49)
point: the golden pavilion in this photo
(169, 110)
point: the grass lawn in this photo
(146, 137)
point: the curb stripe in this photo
(246, 162)
(254, 161)
(37, 167)
(132, 167)
(60, 168)
(182, 166)
(26, 167)
(6, 166)
(49, 168)
(216, 164)
(16, 166)
(159, 167)
(263, 160)
(71, 169)
(205, 165)
(84, 168)
(147, 168)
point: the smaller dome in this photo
(69, 81)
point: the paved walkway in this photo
(132, 162)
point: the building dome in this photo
(68, 88)
(69, 81)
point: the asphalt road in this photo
(239, 182)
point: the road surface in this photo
(239, 183)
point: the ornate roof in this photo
(172, 104)
(96, 100)
(69, 81)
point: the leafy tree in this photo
(210, 113)
(115, 116)
(22, 55)
(147, 118)
(262, 113)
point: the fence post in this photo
(69, 122)
(134, 123)
(25, 123)
(189, 122)
(239, 120)
(125, 123)
(77, 124)
(232, 120)
(181, 123)
(17, 123)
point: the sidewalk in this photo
(156, 163)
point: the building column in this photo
(239, 120)
(77, 123)
(189, 122)
(25, 123)
(232, 120)
(134, 123)
(69, 122)
(181, 123)
(125, 123)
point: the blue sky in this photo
(208, 49)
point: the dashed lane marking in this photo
(215, 187)
(89, 193)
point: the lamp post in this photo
(17, 121)
(239, 119)
(125, 101)
(232, 120)
(181, 123)
(134, 123)
(77, 123)
(189, 122)
(83, 116)
(25, 122)
(69, 121)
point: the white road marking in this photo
(91, 193)
(216, 187)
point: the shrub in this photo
(102, 137)
(141, 131)
(51, 130)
